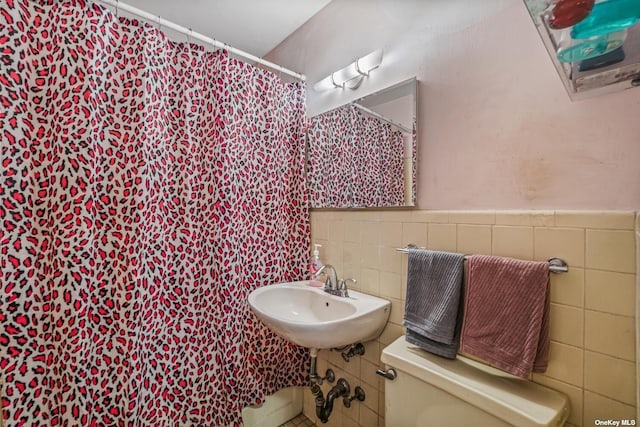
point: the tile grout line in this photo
(593, 310)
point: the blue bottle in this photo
(607, 17)
(596, 46)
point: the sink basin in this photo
(310, 317)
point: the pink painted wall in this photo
(496, 127)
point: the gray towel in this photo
(445, 350)
(434, 289)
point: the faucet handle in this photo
(343, 283)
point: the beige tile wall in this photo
(592, 352)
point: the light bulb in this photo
(344, 75)
(353, 74)
(369, 62)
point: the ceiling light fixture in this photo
(353, 74)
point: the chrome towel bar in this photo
(556, 265)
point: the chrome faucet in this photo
(331, 285)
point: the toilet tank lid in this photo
(516, 401)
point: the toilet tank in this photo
(433, 391)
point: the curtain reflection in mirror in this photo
(355, 160)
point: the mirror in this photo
(363, 154)
(594, 45)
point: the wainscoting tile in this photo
(610, 376)
(414, 233)
(565, 363)
(474, 239)
(568, 288)
(514, 242)
(597, 407)
(442, 237)
(610, 334)
(472, 217)
(566, 325)
(596, 219)
(610, 292)
(565, 243)
(611, 250)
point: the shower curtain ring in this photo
(189, 34)
(159, 22)
(117, 5)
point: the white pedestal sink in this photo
(309, 317)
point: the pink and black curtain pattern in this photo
(147, 187)
(330, 159)
(355, 160)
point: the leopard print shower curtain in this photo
(147, 186)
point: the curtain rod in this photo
(192, 34)
(381, 117)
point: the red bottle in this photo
(566, 13)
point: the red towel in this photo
(506, 313)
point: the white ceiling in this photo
(255, 26)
